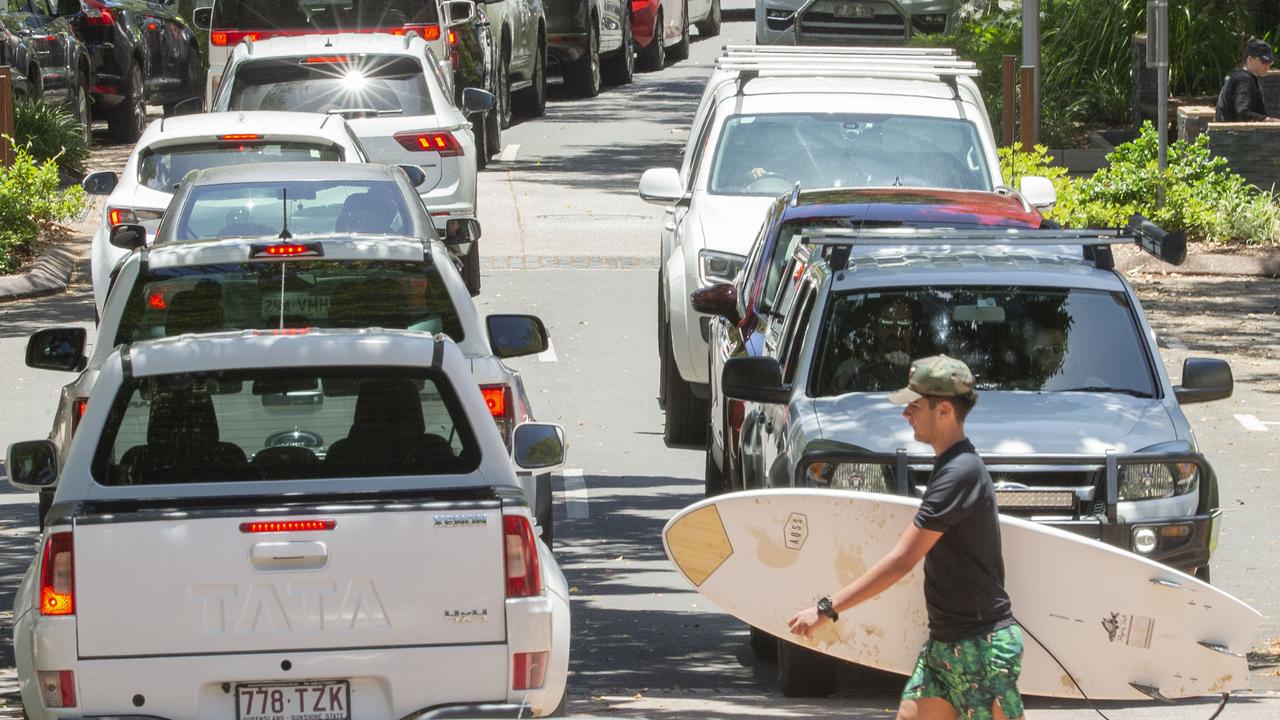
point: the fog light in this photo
(1144, 540)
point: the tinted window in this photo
(283, 424)
(290, 294)
(321, 14)
(769, 154)
(163, 168)
(386, 85)
(321, 207)
(1012, 338)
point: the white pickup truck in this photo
(199, 563)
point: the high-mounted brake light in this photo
(326, 60)
(57, 576)
(240, 136)
(443, 143)
(524, 576)
(287, 250)
(279, 526)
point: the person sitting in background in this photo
(1241, 97)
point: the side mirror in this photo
(1204, 380)
(128, 237)
(516, 335)
(32, 465)
(60, 348)
(536, 446)
(190, 106)
(100, 183)
(475, 100)
(719, 299)
(202, 18)
(661, 186)
(459, 234)
(459, 12)
(1038, 191)
(415, 173)
(756, 379)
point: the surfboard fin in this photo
(1151, 692)
(1220, 648)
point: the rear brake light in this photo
(524, 578)
(326, 60)
(443, 143)
(241, 136)
(528, 670)
(426, 32)
(121, 215)
(57, 576)
(279, 526)
(232, 37)
(58, 688)
(95, 13)
(287, 250)
(77, 412)
(498, 399)
(453, 38)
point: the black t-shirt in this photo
(1241, 99)
(964, 572)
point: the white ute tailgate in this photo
(377, 579)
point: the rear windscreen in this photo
(163, 168)
(372, 85)
(308, 207)
(284, 424)
(321, 14)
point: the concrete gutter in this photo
(49, 274)
(1262, 263)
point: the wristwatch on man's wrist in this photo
(826, 609)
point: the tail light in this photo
(524, 577)
(453, 50)
(498, 399)
(426, 32)
(58, 688)
(57, 576)
(443, 143)
(77, 412)
(528, 670)
(121, 215)
(95, 13)
(224, 38)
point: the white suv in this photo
(770, 120)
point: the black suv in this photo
(141, 52)
(49, 62)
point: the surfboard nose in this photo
(698, 544)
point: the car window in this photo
(162, 168)
(769, 154)
(797, 326)
(389, 85)
(283, 424)
(319, 207)
(322, 14)
(288, 294)
(1012, 338)
(699, 146)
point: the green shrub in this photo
(53, 133)
(30, 199)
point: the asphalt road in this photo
(563, 205)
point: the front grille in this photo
(1069, 492)
(844, 21)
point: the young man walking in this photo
(969, 667)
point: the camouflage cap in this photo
(937, 376)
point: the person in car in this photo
(1241, 97)
(879, 345)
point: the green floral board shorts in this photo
(972, 674)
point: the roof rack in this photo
(838, 50)
(1171, 247)
(746, 62)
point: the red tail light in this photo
(57, 576)
(58, 688)
(443, 143)
(77, 412)
(524, 577)
(426, 32)
(528, 670)
(498, 399)
(224, 38)
(96, 13)
(120, 215)
(454, 59)
(279, 526)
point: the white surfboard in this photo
(1123, 626)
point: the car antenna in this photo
(284, 229)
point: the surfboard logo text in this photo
(796, 531)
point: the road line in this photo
(1251, 423)
(576, 498)
(509, 153)
(1174, 343)
(548, 355)
(18, 498)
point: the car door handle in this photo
(297, 555)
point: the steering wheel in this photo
(769, 182)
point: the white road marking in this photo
(548, 355)
(509, 153)
(18, 498)
(1252, 423)
(576, 498)
(1174, 343)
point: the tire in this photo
(533, 100)
(82, 108)
(503, 104)
(680, 51)
(480, 129)
(763, 645)
(471, 268)
(686, 416)
(583, 75)
(654, 56)
(711, 26)
(129, 118)
(620, 67)
(805, 673)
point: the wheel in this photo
(471, 268)
(128, 119)
(763, 645)
(654, 56)
(686, 416)
(711, 26)
(533, 100)
(504, 90)
(583, 75)
(805, 673)
(480, 129)
(621, 66)
(82, 111)
(680, 51)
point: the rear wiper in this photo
(356, 113)
(1104, 389)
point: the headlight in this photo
(848, 476)
(718, 267)
(1150, 482)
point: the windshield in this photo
(283, 424)
(769, 154)
(315, 207)
(288, 294)
(321, 14)
(376, 84)
(1012, 338)
(163, 168)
